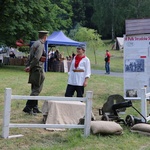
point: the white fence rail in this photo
(144, 98)
(7, 112)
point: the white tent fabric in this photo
(119, 43)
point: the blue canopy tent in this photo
(58, 38)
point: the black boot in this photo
(27, 110)
(36, 110)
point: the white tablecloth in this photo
(63, 112)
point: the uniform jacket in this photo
(36, 75)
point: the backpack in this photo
(106, 59)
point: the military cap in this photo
(43, 32)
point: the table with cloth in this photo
(62, 112)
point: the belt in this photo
(74, 70)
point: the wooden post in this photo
(88, 112)
(143, 103)
(6, 116)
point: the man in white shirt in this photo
(80, 71)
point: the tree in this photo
(82, 13)
(102, 16)
(78, 8)
(63, 14)
(109, 15)
(22, 19)
(91, 37)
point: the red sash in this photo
(78, 59)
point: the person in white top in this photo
(80, 71)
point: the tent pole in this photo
(67, 51)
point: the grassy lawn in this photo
(55, 83)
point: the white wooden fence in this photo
(144, 98)
(7, 112)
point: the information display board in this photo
(136, 65)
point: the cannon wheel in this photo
(130, 120)
(105, 117)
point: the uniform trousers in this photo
(35, 91)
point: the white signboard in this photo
(136, 64)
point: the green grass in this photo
(55, 84)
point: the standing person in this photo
(50, 60)
(80, 71)
(56, 62)
(107, 62)
(35, 67)
(12, 53)
(73, 54)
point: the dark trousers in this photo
(35, 91)
(72, 88)
(107, 67)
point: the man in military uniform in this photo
(35, 67)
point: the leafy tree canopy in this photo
(22, 19)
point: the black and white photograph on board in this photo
(131, 93)
(134, 65)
